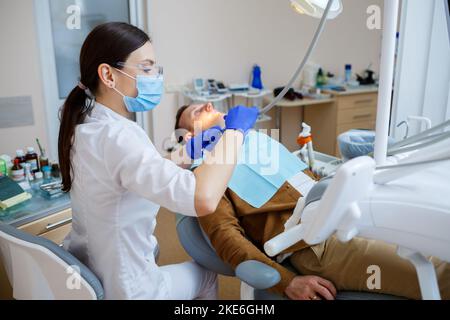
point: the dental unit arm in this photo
(383, 203)
(427, 137)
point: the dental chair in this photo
(39, 269)
(256, 277)
(404, 203)
(407, 160)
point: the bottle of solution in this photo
(38, 180)
(321, 79)
(256, 78)
(20, 155)
(29, 178)
(17, 171)
(56, 173)
(47, 171)
(3, 168)
(8, 163)
(348, 73)
(28, 173)
(43, 160)
(32, 159)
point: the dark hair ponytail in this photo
(108, 43)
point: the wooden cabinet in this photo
(54, 227)
(354, 111)
(49, 224)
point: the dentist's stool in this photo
(39, 269)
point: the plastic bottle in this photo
(304, 140)
(28, 175)
(56, 173)
(32, 159)
(3, 168)
(17, 171)
(38, 180)
(348, 73)
(256, 78)
(310, 74)
(321, 79)
(47, 171)
(20, 155)
(8, 163)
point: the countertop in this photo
(355, 90)
(34, 209)
(284, 103)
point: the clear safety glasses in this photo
(153, 70)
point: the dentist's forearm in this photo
(213, 175)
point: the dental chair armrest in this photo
(257, 274)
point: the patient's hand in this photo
(310, 288)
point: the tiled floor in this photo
(171, 251)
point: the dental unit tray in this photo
(324, 165)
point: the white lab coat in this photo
(119, 183)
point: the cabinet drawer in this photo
(368, 125)
(366, 113)
(57, 235)
(49, 223)
(357, 101)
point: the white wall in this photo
(223, 39)
(423, 74)
(20, 72)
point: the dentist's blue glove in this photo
(207, 140)
(241, 118)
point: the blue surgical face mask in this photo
(150, 91)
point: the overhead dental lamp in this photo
(316, 8)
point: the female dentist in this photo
(117, 179)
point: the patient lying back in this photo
(245, 219)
